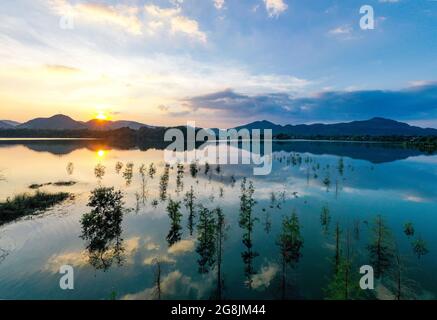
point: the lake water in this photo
(376, 179)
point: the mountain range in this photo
(63, 122)
(371, 127)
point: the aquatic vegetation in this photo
(218, 169)
(99, 171)
(327, 182)
(344, 284)
(357, 229)
(290, 244)
(25, 205)
(381, 247)
(154, 203)
(70, 168)
(163, 183)
(189, 204)
(128, 173)
(118, 166)
(175, 233)
(152, 170)
(341, 166)
(267, 221)
(246, 222)
(64, 183)
(420, 247)
(207, 168)
(194, 169)
(157, 292)
(233, 181)
(220, 238)
(221, 192)
(409, 229)
(206, 239)
(101, 228)
(180, 177)
(143, 171)
(325, 219)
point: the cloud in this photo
(262, 279)
(389, 1)
(417, 102)
(56, 68)
(182, 247)
(219, 4)
(173, 18)
(275, 7)
(122, 16)
(342, 30)
(173, 285)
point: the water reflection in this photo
(101, 228)
(192, 233)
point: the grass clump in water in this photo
(26, 204)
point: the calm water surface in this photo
(400, 184)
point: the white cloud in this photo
(175, 20)
(219, 4)
(262, 279)
(389, 1)
(341, 30)
(275, 7)
(122, 16)
(182, 247)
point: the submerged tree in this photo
(207, 168)
(194, 169)
(163, 183)
(180, 177)
(341, 166)
(327, 182)
(344, 284)
(206, 239)
(118, 167)
(157, 286)
(290, 243)
(99, 171)
(70, 168)
(128, 173)
(220, 237)
(101, 228)
(409, 229)
(381, 247)
(337, 256)
(325, 219)
(246, 222)
(175, 232)
(143, 172)
(152, 170)
(420, 247)
(189, 204)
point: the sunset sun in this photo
(102, 116)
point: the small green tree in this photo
(206, 239)
(175, 232)
(290, 243)
(381, 247)
(189, 204)
(420, 247)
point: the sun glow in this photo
(101, 116)
(101, 153)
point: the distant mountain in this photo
(56, 122)
(10, 123)
(5, 125)
(372, 127)
(63, 122)
(96, 124)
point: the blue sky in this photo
(218, 62)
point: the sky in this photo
(219, 62)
